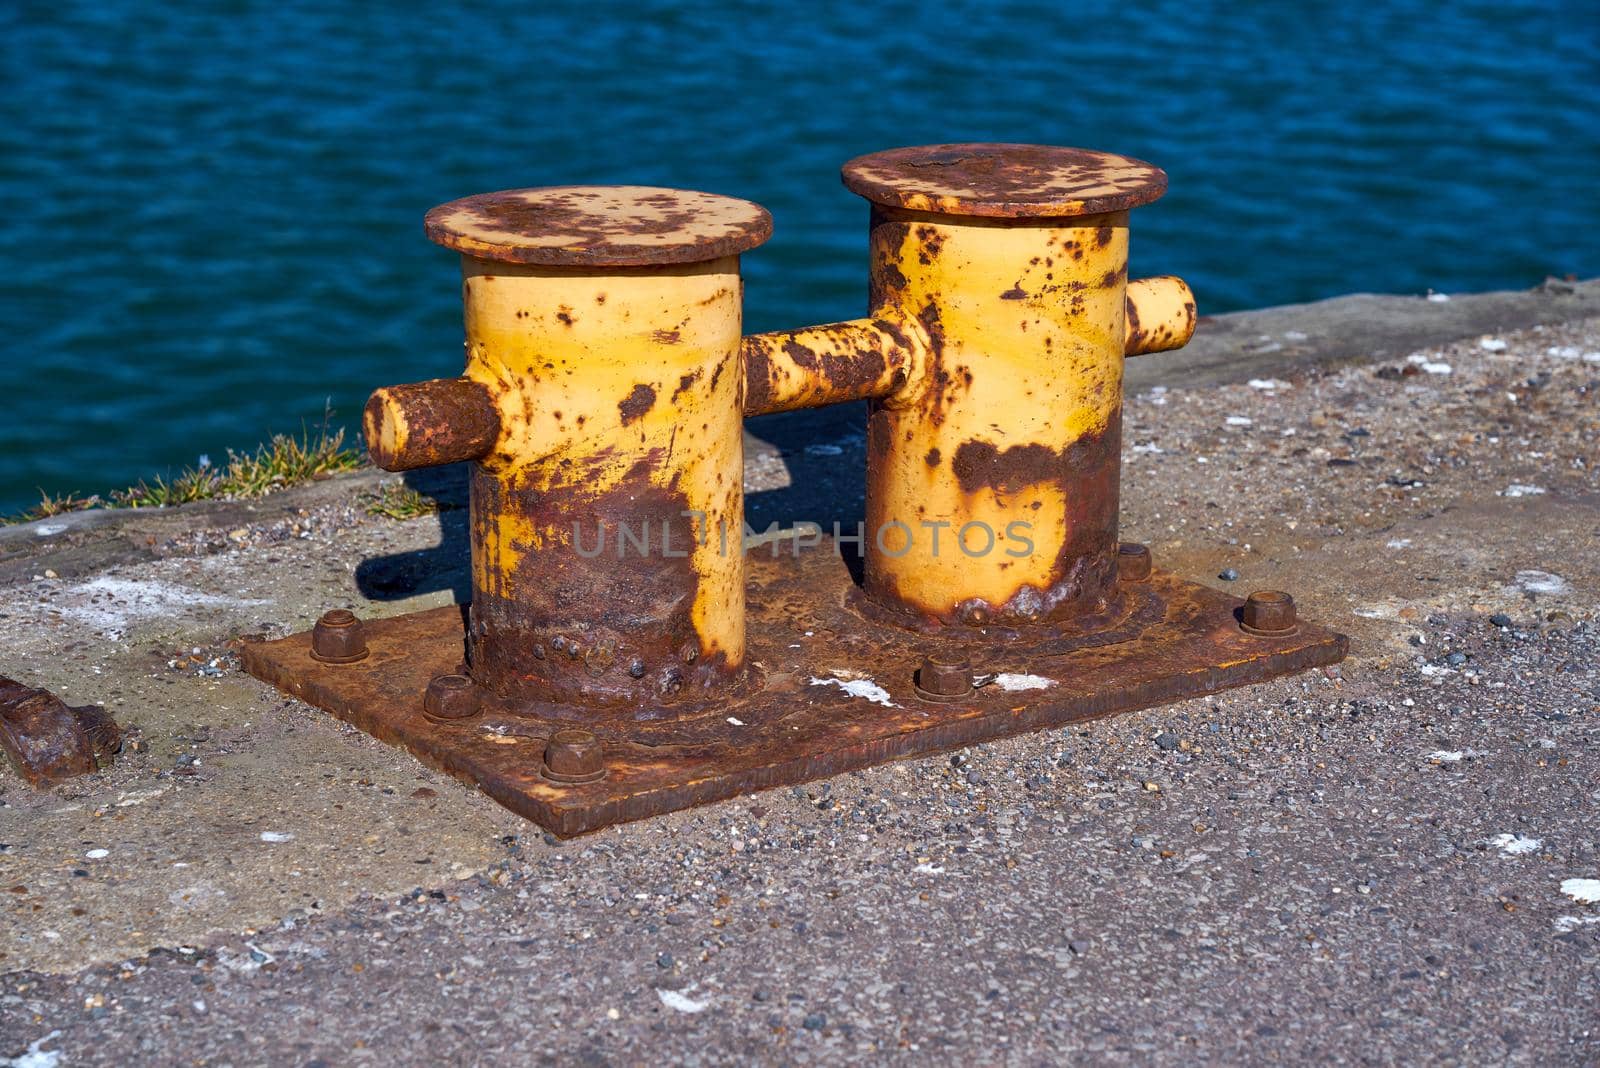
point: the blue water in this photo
(212, 215)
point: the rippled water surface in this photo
(212, 217)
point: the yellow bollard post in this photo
(1000, 316)
(600, 406)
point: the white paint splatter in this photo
(1583, 891)
(672, 999)
(1438, 298)
(109, 605)
(36, 1057)
(1149, 447)
(1239, 420)
(1437, 368)
(1515, 844)
(276, 836)
(139, 797)
(45, 530)
(1492, 344)
(1520, 489)
(929, 869)
(863, 688)
(1455, 756)
(1269, 383)
(736, 721)
(1572, 923)
(96, 854)
(1398, 543)
(1013, 681)
(1542, 582)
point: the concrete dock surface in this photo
(1393, 860)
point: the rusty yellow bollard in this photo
(1000, 316)
(600, 408)
(624, 656)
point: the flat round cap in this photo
(599, 226)
(1004, 181)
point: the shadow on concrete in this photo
(823, 449)
(445, 566)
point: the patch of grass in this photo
(286, 460)
(58, 505)
(396, 500)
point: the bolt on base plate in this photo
(840, 692)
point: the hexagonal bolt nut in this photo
(450, 697)
(1268, 612)
(1133, 561)
(944, 677)
(338, 638)
(573, 755)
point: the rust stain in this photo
(637, 403)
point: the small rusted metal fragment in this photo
(338, 638)
(944, 677)
(1268, 612)
(1133, 562)
(48, 741)
(450, 697)
(573, 755)
(425, 424)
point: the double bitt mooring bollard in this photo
(606, 380)
(624, 657)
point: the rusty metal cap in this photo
(450, 697)
(599, 226)
(1004, 181)
(1268, 612)
(944, 677)
(338, 638)
(1133, 561)
(574, 755)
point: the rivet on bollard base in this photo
(450, 697)
(1133, 562)
(1268, 613)
(574, 756)
(944, 677)
(338, 638)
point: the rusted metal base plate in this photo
(836, 692)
